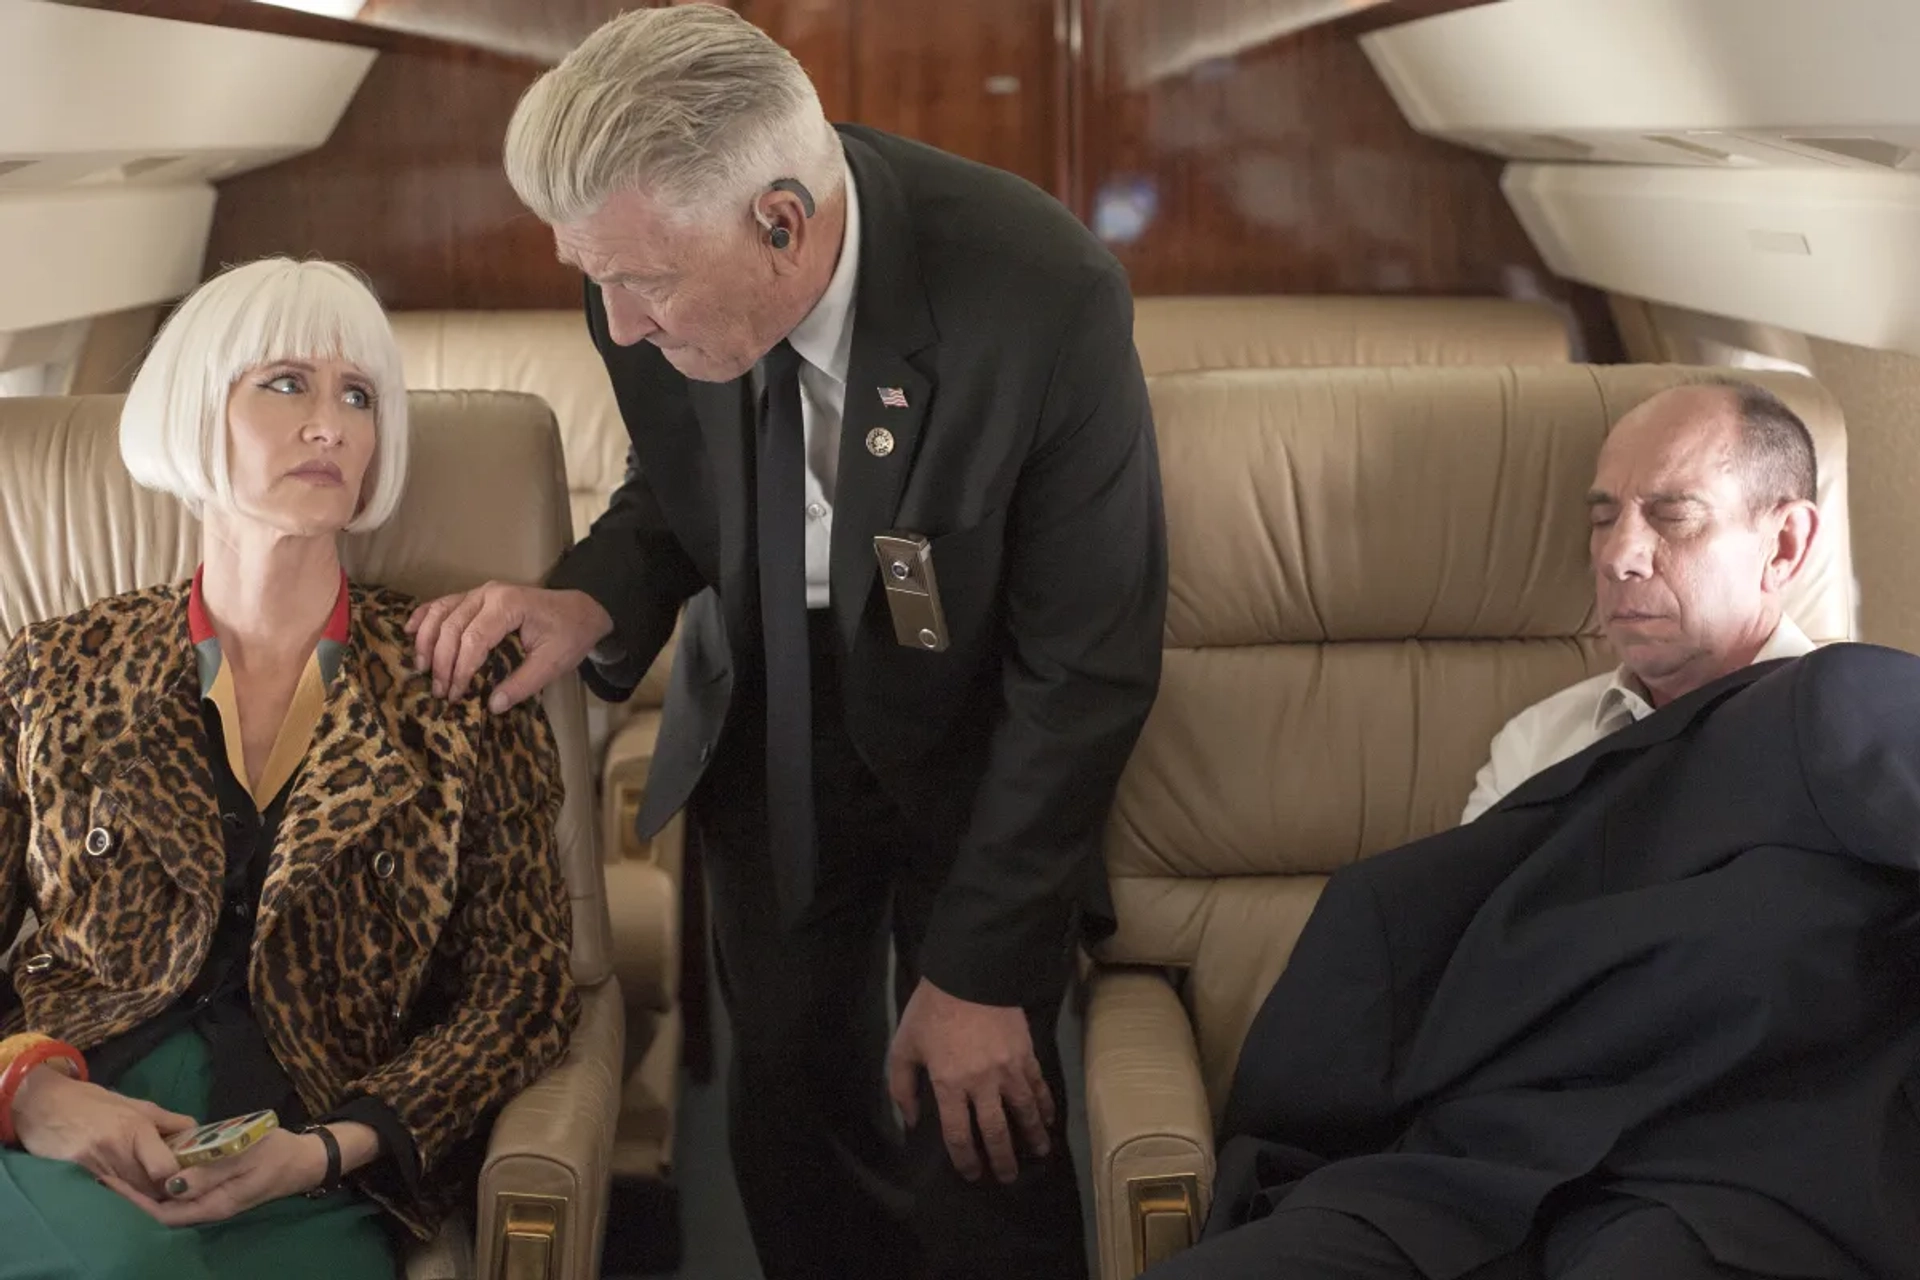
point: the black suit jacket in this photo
(1684, 963)
(1026, 454)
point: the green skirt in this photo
(57, 1223)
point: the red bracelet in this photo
(47, 1053)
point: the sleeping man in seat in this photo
(1653, 1012)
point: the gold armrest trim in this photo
(531, 1236)
(626, 807)
(1165, 1212)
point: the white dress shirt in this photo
(824, 341)
(1574, 719)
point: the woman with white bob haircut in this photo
(301, 924)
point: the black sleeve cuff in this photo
(1007, 961)
(610, 682)
(399, 1159)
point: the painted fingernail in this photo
(176, 1186)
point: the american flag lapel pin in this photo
(892, 397)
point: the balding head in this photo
(1702, 513)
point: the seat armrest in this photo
(644, 909)
(623, 785)
(1148, 1123)
(543, 1191)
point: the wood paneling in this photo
(544, 31)
(983, 80)
(986, 80)
(1398, 11)
(539, 31)
(1285, 169)
(820, 34)
(246, 15)
(410, 190)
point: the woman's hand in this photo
(114, 1137)
(280, 1164)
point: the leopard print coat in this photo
(413, 934)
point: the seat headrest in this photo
(1180, 334)
(1392, 504)
(543, 353)
(485, 499)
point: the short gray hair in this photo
(692, 104)
(173, 425)
(1775, 454)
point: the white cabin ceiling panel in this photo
(125, 89)
(113, 127)
(1833, 254)
(67, 255)
(1724, 84)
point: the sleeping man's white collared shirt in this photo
(1575, 718)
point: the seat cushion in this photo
(1177, 334)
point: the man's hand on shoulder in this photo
(980, 1061)
(453, 635)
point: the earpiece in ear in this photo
(795, 187)
(777, 236)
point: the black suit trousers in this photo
(833, 1189)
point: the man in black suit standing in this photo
(892, 449)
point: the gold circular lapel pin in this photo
(879, 442)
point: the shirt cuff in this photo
(398, 1155)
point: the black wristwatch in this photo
(331, 1183)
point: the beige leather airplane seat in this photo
(548, 354)
(78, 529)
(1371, 570)
(1180, 334)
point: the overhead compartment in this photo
(1833, 254)
(1718, 84)
(113, 127)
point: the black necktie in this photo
(782, 538)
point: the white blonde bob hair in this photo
(692, 104)
(173, 427)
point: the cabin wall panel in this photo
(410, 190)
(821, 34)
(1283, 169)
(1287, 169)
(1879, 392)
(542, 30)
(984, 80)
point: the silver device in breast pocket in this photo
(913, 594)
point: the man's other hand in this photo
(453, 635)
(980, 1060)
